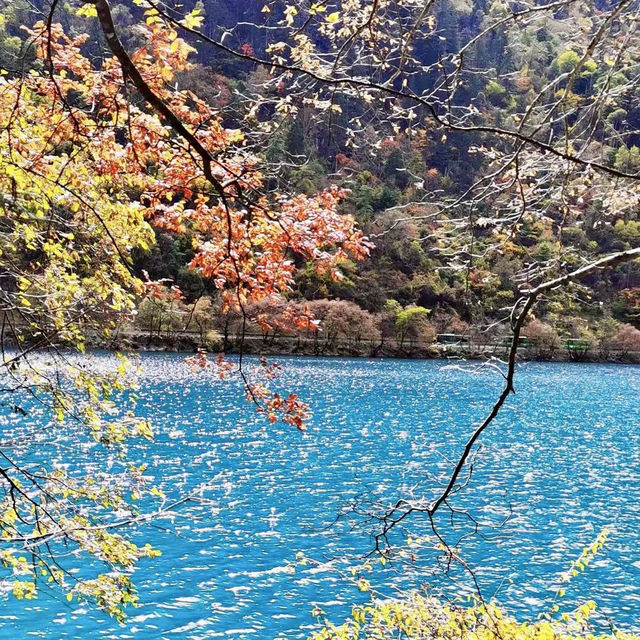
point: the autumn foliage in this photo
(245, 238)
(77, 142)
(86, 175)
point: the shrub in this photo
(567, 61)
(414, 616)
(628, 338)
(496, 94)
(341, 321)
(606, 333)
(424, 618)
(412, 323)
(545, 337)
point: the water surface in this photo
(563, 460)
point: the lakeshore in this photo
(192, 341)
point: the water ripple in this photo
(563, 459)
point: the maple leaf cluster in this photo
(244, 240)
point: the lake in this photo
(562, 460)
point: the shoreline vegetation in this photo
(342, 328)
(444, 346)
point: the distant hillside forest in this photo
(421, 279)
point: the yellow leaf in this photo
(289, 14)
(193, 20)
(333, 17)
(87, 10)
(151, 16)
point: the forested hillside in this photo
(451, 248)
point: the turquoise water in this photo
(563, 460)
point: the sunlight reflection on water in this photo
(563, 458)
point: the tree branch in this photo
(129, 70)
(518, 317)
